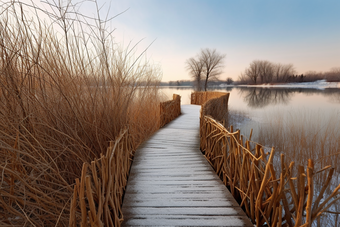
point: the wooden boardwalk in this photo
(171, 183)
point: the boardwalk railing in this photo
(201, 97)
(97, 197)
(270, 196)
(98, 194)
(217, 108)
(169, 110)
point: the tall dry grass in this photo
(66, 90)
(304, 135)
(300, 137)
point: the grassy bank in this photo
(66, 90)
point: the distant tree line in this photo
(178, 83)
(190, 83)
(260, 71)
(332, 75)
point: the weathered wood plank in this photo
(187, 220)
(171, 183)
(211, 196)
(142, 211)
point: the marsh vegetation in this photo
(66, 90)
(301, 123)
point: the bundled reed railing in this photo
(201, 97)
(97, 196)
(169, 110)
(268, 196)
(217, 108)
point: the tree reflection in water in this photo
(258, 97)
(333, 94)
(261, 97)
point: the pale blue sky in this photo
(305, 33)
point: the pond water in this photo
(252, 108)
(302, 123)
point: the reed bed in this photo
(66, 90)
(302, 136)
(169, 110)
(98, 194)
(312, 135)
(268, 196)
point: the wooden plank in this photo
(192, 183)
(172, 184)
(145, 169)
(163, 202)
(142, 211)
(150, 196)
(187, 220)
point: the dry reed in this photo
(302, 136)
(169, 110)
(98, 194)
(310, 135)
(270, 197)
(66, 90)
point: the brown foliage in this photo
(63, 98)
(268, 196)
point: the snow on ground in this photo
(319, 84)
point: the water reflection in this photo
(177, 87)
(261, 97)
(333, 94)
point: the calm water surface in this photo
(252, 108)
(301, 123)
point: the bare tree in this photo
(243, 78)
(282, 72)
(253, 72)
(229, 80)
(208, 62)
(268, 72)
(195, 68)
(213, 64)
(277, 69)
(287, 70)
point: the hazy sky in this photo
(305, 33)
